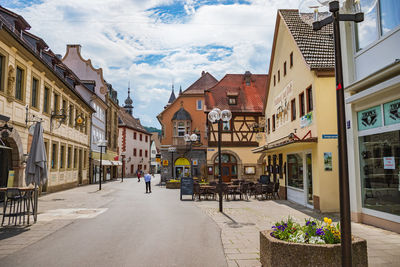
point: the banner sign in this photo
(306, 120)
(392, 112)
(369, 118)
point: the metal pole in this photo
(101, 159)
(191, 163)
(172, 165)
(220, 165)
(344, 195)
(123, 168)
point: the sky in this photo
(153, 44)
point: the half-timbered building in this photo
(243, 95)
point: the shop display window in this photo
(380, 171)
(295, 170)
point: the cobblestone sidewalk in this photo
(242, 221)
(56, 211)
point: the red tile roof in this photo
(249, 98)
(205, 82)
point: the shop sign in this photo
(195, 162)
(306, 120)
(369, 118)
(389, 163)
(329, 136)
(165, 162)
(392, 112)
(158, 160)
(211, 149)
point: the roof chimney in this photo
(202, 73)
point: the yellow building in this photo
(36, 86)
(300, 109)
(243, 95)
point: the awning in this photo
(116, 163)
(103, 162)
(282, 143)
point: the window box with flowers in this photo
(315, 243)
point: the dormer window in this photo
(232, 100)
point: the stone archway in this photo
(17, 154)
(238, 163)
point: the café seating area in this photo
(18, 205)
(262, 189)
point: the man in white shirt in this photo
(147, 179)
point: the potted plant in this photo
(315, 243)
(173, 184)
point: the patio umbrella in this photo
(36, 165)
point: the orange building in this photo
(185, 115)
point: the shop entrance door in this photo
(229, 168)
(309, 182)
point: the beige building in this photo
(301, 134)
(36, 86)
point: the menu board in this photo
(186, 186)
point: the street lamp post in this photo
(344, 194)
(218, 116)
(101, 144)
(190, 138)
(123, 159)
(172, 150)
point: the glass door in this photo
(309, 179)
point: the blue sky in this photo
(155, 43)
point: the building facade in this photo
(100, 97)
(133, 140)
(36, 86)
(301, 134)
(372, 91)
(243, 95)
(155, 156)
(185, 115)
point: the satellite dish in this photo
(32, 129)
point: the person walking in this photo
(147, 179)
(138, 173)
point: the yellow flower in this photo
(326, 219)
(329, 221)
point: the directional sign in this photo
(329, 136)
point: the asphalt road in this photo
(137, 229)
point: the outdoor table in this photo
(25, 190)
(207, 188)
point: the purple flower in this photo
(320, 231)
(307, 223)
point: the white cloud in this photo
(115, 34)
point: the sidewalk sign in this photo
(187, 186)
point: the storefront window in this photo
(380, 171)
(295, 170)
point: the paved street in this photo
(119, 226)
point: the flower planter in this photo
(275, 252)
(174, 185)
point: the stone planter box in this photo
(175, 185)
(275, 252)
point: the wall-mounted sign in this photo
(392, 112)
(306, 120)
(158, 160)
(165, 162)
(195, 162)
(211, 149)
(329, 136)
(369, 118)
(327, 161)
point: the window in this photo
(232, 100)
(134, 135)
(382, 18)
(19, 84)
(274, 80)
(46, 146)
(2, 71)
(55, 102)
(273, 122)
(64, 108)
(46, 100)
(145, 153)
(35, 92)
(284, 68)
(295, 170)
(75, 157)
(140, 137)
(291, 59)
(85, 159)
(269, 125)
(71, 115)
(145, 167)
(279, 75)
(140, 153)
(147, 139)
(62, 156)
(226, 126)
(301, 104)
(248, 81)
(199, 104)
(309, 99)
(181, 129)
(134, 152)
(293, 109)
(54, 153)
(69, 157)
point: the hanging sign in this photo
(392, 112)
(389, 163)
(369, 118)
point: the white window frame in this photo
(201, 104)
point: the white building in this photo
(372, 85)
(154, 151)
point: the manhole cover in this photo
(85, 211)
(58, 199)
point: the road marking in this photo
(70, 214)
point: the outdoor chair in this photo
(269, 191)
(196, 190)
(235, 182)
(233, 191)
(276, 191)
(244, 190)
(13, 200)
(258, 190)
(251, 188)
